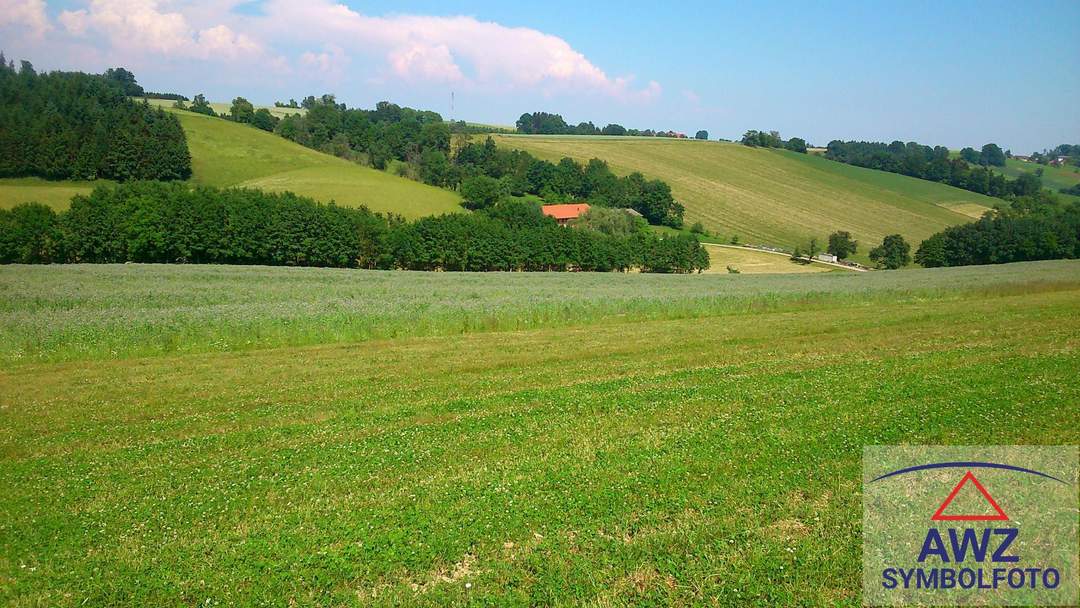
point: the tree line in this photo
(544, 123)
(158, 222)
(1034, 228)
(771, 139)
(70, 125)
(934, 164)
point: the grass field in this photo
(228, 154)
(57, 195)
(1054, 178)
(222, 107)
(773, 196)
(626, 458)
(756, 262)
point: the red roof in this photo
(565, 212)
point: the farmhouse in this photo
(564, 214)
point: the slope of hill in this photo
(1054, 178)
(225, 154)
(774, 196)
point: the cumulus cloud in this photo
(330, 64)
(27, 15)
(146, 26)
(451, 49)
(322, 37)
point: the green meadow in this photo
(1054, 178)
(55, 194)
(225, 154)
(503, 439)
(774, 197)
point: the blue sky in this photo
(939, 73)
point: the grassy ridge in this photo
(666, 462)
(103, 311)
(226, 154)
(229, 154)
(773, 196)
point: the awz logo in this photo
(967, 549)
(968, 531)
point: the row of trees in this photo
(772, 139)
(933, 164)
(70, 125)
(1036, 228)
(163, 222)
(488, 174)
(544, 123)
(377, 137)
(991, 155)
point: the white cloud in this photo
(330, 65)
(28, 14)
(450, 49)
(146, 26)
(324, 38)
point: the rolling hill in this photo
(1054, 178)
(226, 154)
(773, 196)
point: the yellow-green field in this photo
(773, 196)
(747, 261)
(222, 107)
(54, 194)
(606, 440)
(228, 154)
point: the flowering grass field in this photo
(435, 439)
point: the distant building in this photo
(827, 257)
(1059, 161)
(1023, 159)
(564, 214)
(632, 212)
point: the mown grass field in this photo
(703, 449)
(226, 154)
(774, 197)
(55, 194)
(757, 262)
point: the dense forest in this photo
(70, 125)
(1033, 228)
(934, 164)
(163, 222)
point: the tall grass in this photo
(51, 313)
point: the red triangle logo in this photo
(940, 516)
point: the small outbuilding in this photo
(564, 214)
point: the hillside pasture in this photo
(55, 194)
(625, 458)
(748, 261)
(227, 154)
(773, 197)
